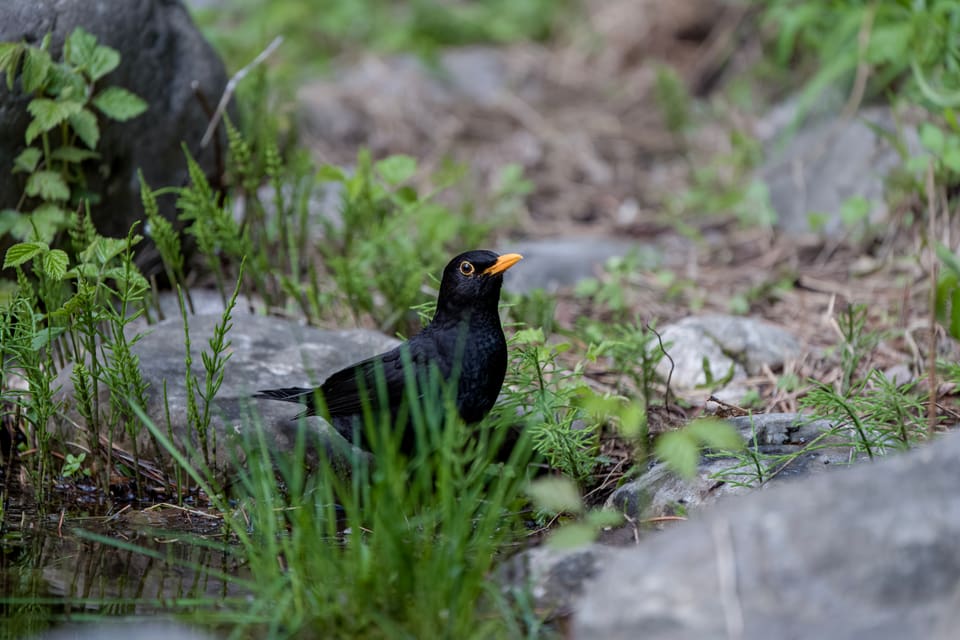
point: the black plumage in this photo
(463, 339)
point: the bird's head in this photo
(473, 279)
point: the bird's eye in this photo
(466, 268)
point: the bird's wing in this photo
(342, 390)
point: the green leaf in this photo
(571, 536)
(679, 451)
(45, 336)
(48, 185)
(528, 336)
(22, 252)
(119, 104)
(948, 258)
(954, 327)
(47, 114)
(396, 169)
(854, 211)
(79, 47)
(45, 221)
(10, 54)
(601, 518)
(27, 160)
(556, 494)
(932, 138)
(330, 173)
(73, 154)
(102, 250)
(9, 218)
(54, 264)
(36, 69)
(85, 125)
(715, 434)
(951, 158)
(103, 61)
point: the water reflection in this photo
(52, 572)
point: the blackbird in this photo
(463, 339)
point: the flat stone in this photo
(557, 263)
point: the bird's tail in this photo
(300, 395)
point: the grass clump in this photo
(398, 547)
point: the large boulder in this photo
(264, 353)
(164, 60)
(868, 552)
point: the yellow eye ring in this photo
(466, 268)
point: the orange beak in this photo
(503, 263)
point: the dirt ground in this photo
(581, 116)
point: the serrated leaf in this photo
(22, 252)
(715, 434)
(396, 169)
(48, 185)
(102, 250)
(103, 61)
(571, 536)
(66, 83)
(679, 451)
(73, 154)
(85, 125)
(36, 69)
(556, 495)
(10, 54)
(119, 104)
(47, 114)
(79, 47)
(45, 221)
(54, 264)
(27, 160)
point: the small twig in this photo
(636, 528)
(932, 355)
(666, 397)
(232, 87)
(188, 510)
(863, 67)
(116, 515)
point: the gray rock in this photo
(870, 552)
(827, 162)
(265, 353)
(162, 56)
(556, 263)
(554, 578)
(379, 89)
(777, 437)
(733, 347)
